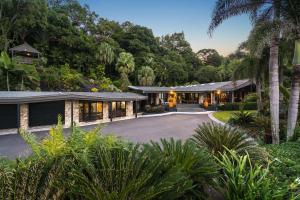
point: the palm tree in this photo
(261, 11)
(291, 13)
(105, 54)
(250, 68)
(6, 65)
(125, 65)
(146, 76)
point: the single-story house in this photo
(206, 94)
(30, 110)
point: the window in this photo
(118, 109)
(90, 111)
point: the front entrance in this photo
(188, 98)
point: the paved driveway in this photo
(137, 130)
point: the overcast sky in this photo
(169, 16)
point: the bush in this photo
(285, 166)
(238, 106)
(217, 138)
(197, 165)
(154, 109)
(87, 165)
(252, 97)
(241, 118)
(243, 180)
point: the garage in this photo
(8, 116)
(46, 113)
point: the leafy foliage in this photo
(244, 180)
(146, 76)
(241, 118)
(217, 138)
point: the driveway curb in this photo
(176, 113)
(211, 116)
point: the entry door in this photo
(46, 113)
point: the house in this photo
(204, 94)
(40, 110)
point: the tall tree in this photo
(125, 66)
(105, 54)
(291, 14)
(260, 11)
(146, 76)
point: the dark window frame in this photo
(90, 115)
(119, 111)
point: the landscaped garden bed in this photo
(218, 161)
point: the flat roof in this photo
(205, 87)
(14, 97)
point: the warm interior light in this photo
(218, 91)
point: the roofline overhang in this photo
(68, 97)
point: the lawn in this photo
(224, 116)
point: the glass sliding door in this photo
(90, 111)
(118, 109)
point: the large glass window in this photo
(118, 109)
(90, 111)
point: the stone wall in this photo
(105, 111)
(24, 116)
(76, 111)
(129, 109)
(68, 113)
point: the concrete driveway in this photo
(138, 130)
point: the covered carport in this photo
(8, 116)
(46, 113)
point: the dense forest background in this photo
(82, 51)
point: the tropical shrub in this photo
(286, 166)
(242, 179)
(241, 118)
(238, 106)
(196, 164)
(217, 138)
(251, 97)
(88, 165)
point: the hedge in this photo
(238, 106)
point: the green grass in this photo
(224, 116)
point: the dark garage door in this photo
(8, 116)
(46, 113)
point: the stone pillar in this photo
(129, 108)
(212, 97)
(76, 112)
(68, 113)
(232, 97)
(157, 99)
(24, 118)
(201, 98)
(105, 111)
